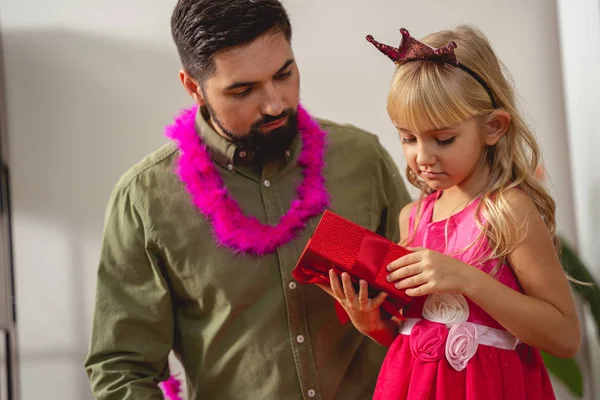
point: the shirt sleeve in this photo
(132, 330)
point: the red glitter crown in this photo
(411, 49)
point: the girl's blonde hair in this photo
(425, 96)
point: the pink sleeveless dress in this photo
(449, 348)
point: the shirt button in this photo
(230, 167)
(292, 285)
(267, 183)
(288, 153)
(300, 339)
(243, 154)
(312, 393)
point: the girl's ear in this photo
(496, 126)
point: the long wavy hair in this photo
(426, 96)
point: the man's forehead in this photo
(256, 61)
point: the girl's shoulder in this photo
(412, 212)
(519, 204)
(406, 214)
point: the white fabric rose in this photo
(446, 308)
(461, 345)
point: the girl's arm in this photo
(545, 316)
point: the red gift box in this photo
(347, 247)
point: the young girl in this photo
(486, 279)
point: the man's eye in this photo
(243, 93)
(284, 76)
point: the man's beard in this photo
(264, 147)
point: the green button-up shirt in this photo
(241, 326)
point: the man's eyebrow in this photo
(237, 85)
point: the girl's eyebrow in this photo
(432, 130)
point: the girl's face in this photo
(448, 157)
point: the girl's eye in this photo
(445, 142)
(408, 140)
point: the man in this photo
(201, 237)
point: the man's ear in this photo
(191, 85)
(496, 126)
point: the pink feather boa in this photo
(171, 388)
(232, 229)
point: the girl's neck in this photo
(469, 189)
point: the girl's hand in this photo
(364, 312)
(426, 271)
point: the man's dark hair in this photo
(202, 28)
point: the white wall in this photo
(89, 87)
(91, 84)
(580, 42)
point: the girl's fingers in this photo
(408, 259)
(411, 282)
(348, 289)
(403, 273)
(336, 288)
(363, 293)
(422, 290)
(379, 299)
